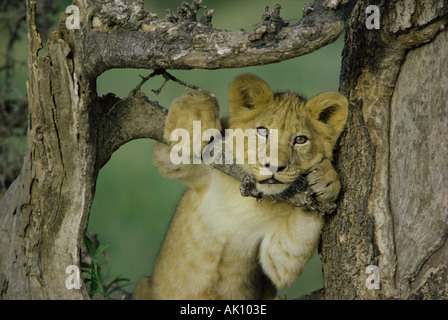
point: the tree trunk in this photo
(393, 212)
(395, 85)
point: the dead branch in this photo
(141, 40)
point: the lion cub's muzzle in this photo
(274, 179)
(273, 171)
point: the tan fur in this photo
(221, 245)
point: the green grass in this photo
(99, 284)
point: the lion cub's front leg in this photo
(183, 112)
(189, 108)
(324, 181)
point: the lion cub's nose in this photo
(274, 169)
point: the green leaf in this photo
(98, 271)
(115, 282)
(117, 288)
(94, 289)
(92, 274)
(99, 250)
(86, 267)
(88, 245)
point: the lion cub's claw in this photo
(324, 181)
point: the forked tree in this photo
(387, 238)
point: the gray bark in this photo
(420, 211)
(394, 211)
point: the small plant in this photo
(92, 274)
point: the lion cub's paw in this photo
(324, 181)
(189, 108)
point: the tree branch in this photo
(125, 36)
(137, 117)
(128, 119)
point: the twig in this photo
(157, 91)
(169, 76)
(144, 79)
(136, 89)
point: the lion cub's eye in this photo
(300, 139)
(262, 131)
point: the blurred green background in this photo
(133, 204)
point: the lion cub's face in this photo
(306, 131)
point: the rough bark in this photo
(186, 41)
(392, 159)
(420, 212)
(72, 132)
(41, 225)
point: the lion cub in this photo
(221, 245)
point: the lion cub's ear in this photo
(330, 108)
(248, 91)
